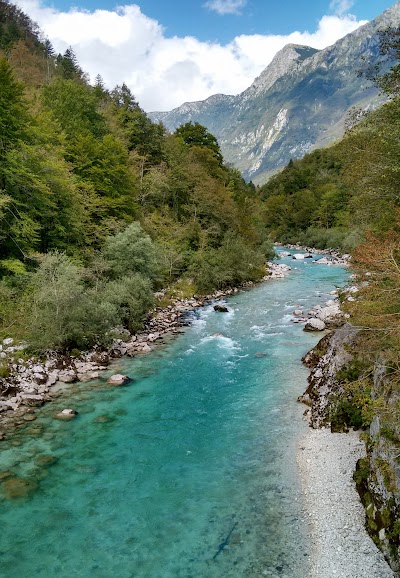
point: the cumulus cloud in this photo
(226, 6)
(341, 7)
(125, 45)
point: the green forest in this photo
(100, 207)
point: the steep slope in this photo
(299, 102)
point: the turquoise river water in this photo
(188, 472)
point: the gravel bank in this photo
(341, 547)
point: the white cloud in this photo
(341, 7)
(226, 6)
(126, 45)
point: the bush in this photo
(132, 297)
(131, 251)
(231, 264)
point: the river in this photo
(188, 472)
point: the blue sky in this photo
(192, 17)
(170, 52)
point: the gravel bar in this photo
(340, 544)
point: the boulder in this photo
(118, 379)
(297, 312)
(314, 324)
(8, 341)
(221, 308)
(34, 400)
(67, 376)
(66, 414)
(298, 256)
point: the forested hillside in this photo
(99, 206)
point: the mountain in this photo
(299, 102)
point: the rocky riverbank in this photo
(342, 528)
(28, 383)
(340, 544)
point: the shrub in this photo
(131, 251)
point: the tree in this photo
(194, 134)
(13, 111)
(131, 251)
(68, 65)
(386, 73)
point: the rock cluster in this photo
(276, 271)
(334, 257)
(31, 383)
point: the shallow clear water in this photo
(198, 451)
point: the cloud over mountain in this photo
(126, 45)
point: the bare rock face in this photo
(314, 324)
(329, 356)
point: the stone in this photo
(66, 414)
(298, 257)
(146, 348)
(46, 460)
(118, 379)
(67, 376)
(29, 417)
(18, 488)
(34, 400)
(85, 377)
(297, 312)
(8, 341)
(221, 308)
(314, 324)
(40, 378)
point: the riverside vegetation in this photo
(100, 207)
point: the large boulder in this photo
(314, 324)
(118, 379)
(221, 308)
(66, 414)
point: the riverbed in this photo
(190, 470)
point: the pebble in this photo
(326, 463)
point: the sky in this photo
(174, 51)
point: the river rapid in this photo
(190, 471)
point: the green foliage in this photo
(231, 264)
(194, 134)
(13, 112)
(131, 251)
(99, 206)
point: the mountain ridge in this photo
(299, 102)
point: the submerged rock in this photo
(18, 488)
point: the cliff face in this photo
(299, 102)
(378, 474)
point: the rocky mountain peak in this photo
(287, 59)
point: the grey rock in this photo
(314, 324)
